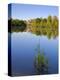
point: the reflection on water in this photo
(23, 54)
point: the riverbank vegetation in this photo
(46, 26)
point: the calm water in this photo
(23, 52)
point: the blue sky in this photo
(25, 11)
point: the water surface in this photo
(23, 45)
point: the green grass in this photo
(41, 63)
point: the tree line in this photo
(16, 25)
(39, 26)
